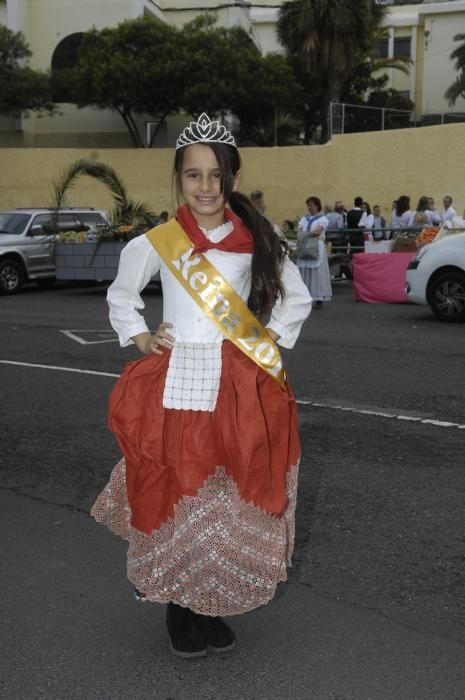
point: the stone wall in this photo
(379, 166)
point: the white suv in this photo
(436, 276)
(27, 239)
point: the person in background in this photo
(379, 224)
(288, 234)
(435, 215)
(315, 273)
(338, 217)
(366, 220)
(422, 216)
(355, 214)
(449, 211)
(401, 213)
(287, 227)
(258, 200)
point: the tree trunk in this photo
(131, 127)
(332, 93)
(158, 126)
(325, 107)
(307, 129)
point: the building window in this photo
(65, 56)
(402, 46)
(66, 53)
(382, 47)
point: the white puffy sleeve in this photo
(138, 263)
(288, 314)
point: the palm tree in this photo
(329, 36)
(381, 65)
(457, 89)
(126, 210)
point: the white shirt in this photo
(401, 221)
(139, 262)
(432, 218)
(335, 219)
(448, 214)
(322, 221)
(366, 221)
(194, 371)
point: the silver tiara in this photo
(204, 131)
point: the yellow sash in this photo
(217, 299)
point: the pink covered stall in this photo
(380, 278)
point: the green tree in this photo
(146, 67)
(457, 89)
(265, 103)
(131, 69)
(367, 88)
(21, 87)
(327, 38)
(232, 75)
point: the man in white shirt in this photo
(434, 214)
(449, 211)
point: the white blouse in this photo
(401, 221)
(366, 221)
(448, 214)
(322, 221)
(139, 262)
(432, 219)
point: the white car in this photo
(436, 276)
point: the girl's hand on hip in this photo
(160, 339)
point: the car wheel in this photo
(11, 276)
(447, 297)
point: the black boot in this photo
(220, 638)
(186, 638)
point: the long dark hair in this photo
(423, 203)
(403, 205)
(269, 253)
(368, 208)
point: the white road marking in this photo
(59, 369)
(301, 402)
(381, 414)
(72, 334)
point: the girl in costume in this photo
(206, 491)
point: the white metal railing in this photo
(347, 118)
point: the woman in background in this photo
(315, 273)
(401, 214)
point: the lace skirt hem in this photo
(218, 555)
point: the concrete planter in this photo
(87, 261)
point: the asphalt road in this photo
(375, 606)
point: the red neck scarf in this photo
(240, 239)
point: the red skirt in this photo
(252, 435)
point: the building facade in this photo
(424, 31)
(49, 24)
